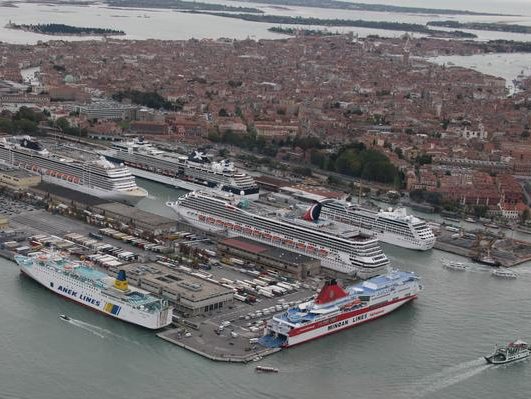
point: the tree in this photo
(526, 214)
(480, 211)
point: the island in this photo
(397, 26)
(302, 32)
(489, 26)
(344, 5)
(64, 30)
(179, 5)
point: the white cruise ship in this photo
(192, 172)
(361, 256)
(89, 287)
(97, 177)
(393, 227)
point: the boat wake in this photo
(100, 331)
(83, 325)
(450, 376)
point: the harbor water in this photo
(431, 348)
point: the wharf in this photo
(507, 251)
(220, 348)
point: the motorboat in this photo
(504, 273)
(266, 369)
(64, 317)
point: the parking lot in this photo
(10, 207)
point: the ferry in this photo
(232, 216)
(516, 350)
(335, 308)
(97, 177)
(394, 227)
(192, 172)
(96, 290)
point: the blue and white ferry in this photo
(96, 290)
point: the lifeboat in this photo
(202, 217)
(237, 227)
(229, 225)
(323, 252)
(257, 233)
(266, 236)
(219, 222)
(276, 239)
(311, 249)
(301, 245)
(211, 220)
(76, 180)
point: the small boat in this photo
(470, 220)
(504, 273)
(513, 351)
(453, 265)
(486, 260)
(64, 317)
(266, 369)
(257, 358)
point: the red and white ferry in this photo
(336, 308)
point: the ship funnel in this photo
(312, 214)
(120, 282)
(330, 292)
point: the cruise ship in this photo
(392, 227)
(335, 308)
(231, 216)
(192, 172)
(82, 284)
(97, 177)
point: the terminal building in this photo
(285, 262)
(191, 295)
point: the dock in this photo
(220, 348)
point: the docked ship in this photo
(231, 215)
(192, 172)
(336, 308)
(392, 227)
(82, 284)
(97, 177)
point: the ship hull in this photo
(343, 322)
(129, 198)
(328, 261)
(92, 299)
(172, 181)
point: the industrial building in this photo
(285, 262)
(17, 178)
(190, 294)
(137, 218)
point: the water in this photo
(171, 25)
(431, 348)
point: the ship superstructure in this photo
(191, 172)
(89, 287)
(393, 227)
(233, 216)
(336, 308)
(97, 176)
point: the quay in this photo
(217, 348)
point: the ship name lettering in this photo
(68, 291)
(338, 324)
(90, 300)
